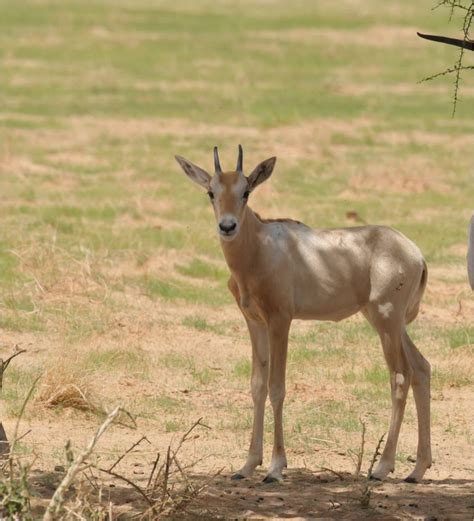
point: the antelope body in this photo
(283, 270)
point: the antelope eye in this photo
(211, 195)
(246, 194)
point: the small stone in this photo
(59, 468)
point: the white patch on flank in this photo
(386, 309)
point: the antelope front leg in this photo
(260, 358)
(278, 337)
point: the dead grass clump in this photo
(64, 387)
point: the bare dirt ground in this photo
(320, 481)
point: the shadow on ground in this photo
(306, 494)
(303, 495)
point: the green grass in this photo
(174, 425)
(19, 303)
(459, 337)
(8, 263)
(450, 377)
(173, 289)
(243, 369)
(176, 361)
(82, 322)
(200, 375)
(377, 375)
(20, 320)
(201, 324)
(325, 418)
(16, 386)
(372, 396)
(204, 376)
(131, 361)
(200, 269)
(154, 407)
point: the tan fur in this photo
(279, 220)
(282, 269)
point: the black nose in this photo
(227, 228)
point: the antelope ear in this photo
(261, 172)
(194, 172)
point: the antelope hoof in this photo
(374, 478)
(237, 476)
(382, 471)
(272, 479)
(418, 472)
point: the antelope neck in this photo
(242, 253)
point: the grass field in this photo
(111, 275)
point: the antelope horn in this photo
(240, 160)
(217, 165)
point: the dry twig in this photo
(465, 43)
(366, 492)
(120, 458)
(338, 474)
(132, 484)
(17, 424)
(58, 496)
(360, 454)
(376, 455)
(5, 363)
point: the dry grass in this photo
(64, 386)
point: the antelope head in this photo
(228, 191)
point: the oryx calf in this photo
(282, 269)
